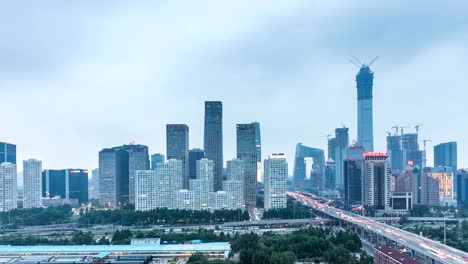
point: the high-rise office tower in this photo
(376, 180)
(300, 169)
(65, 184)
(177, 147)
(138, 159)
(445, 154)
(113, 177)
(330, 175)
(276, 178)
(7, 152)
(411, 152)
(331, 148)
(444, 175)
(32, 177)
(234, 185)
(395, 152)
(94, 185)
(246, 151)
(77, 184)
(157, 158)
(258, 153)
(8, 185)
(205, 171)
(213, 138)
(235, 170)
(194, 155)
(364, 84)
(462, 187)
(353, 176)
(341, 148)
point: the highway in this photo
(433, 249)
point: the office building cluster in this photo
(41, 187)
(192, 179)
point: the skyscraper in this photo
(276, 178)
(156, 158)
(444, 175)
(300, 170)
(445, 154)
(138, 159)
(395, 152)
(330, 175)
(8, 185)
(411, 152)
(258, 147)
(32, 177)
(364, 84)
(213, 138)
(341, 148)
(77, 184)
(462, 187)
(113, 177)
(94, 185)
(353, 175)
(376, 180)
(7, 152)
(194, 155)
(66, 184)
(205, 171)
(246, 151)
(177, 147)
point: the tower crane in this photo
(417, 128)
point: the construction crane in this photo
(424, 153)
(389, 133)
(417, 128)
(396, 127)
(328, 136)
(372, 62)
(359, 64)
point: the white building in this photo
(235, 170)
(32, 177)
(219, 200)
(93, 190)
(205, 170)
(157, 188)
(184, 200)
(275, 181)
(8, 187)
(235, 191)
(201, 191)
(376, 175)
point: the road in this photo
(433, 249)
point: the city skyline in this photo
(292, 78)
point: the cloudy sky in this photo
(77, 76)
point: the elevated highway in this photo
(428, 250)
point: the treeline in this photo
(293, 210)
(309, 245)
(36, 216)
(161, 216)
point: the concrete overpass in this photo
(424, 249)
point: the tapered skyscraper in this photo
(213, 139)
(364, 84)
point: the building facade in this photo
(444, 175)
(32, 177)
(157, 158)
(194, 155)
(395, 152)
(7, 152)
(364, 85)
(341, 149)
(177, 147)
(205, 171)
(247, 152)
(65, 184)
(276, 178)
(445, 155)
(376, 180)
(8, 187)
(138, 159)
(235, 192)
(113, 177)
(93, 189)
(213, 138)
(462, 187)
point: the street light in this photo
(445, 227)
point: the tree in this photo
(338, 255)
(198, 258)
(403, 220)
(419, 210)
(82, 238)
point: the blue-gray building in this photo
(194, 155)
(395, 152)
(462, 187)
(113, 177)
(247, 152)
(341, 149)
(66, 184)
(364, 84)
(7, 152)
(445, 154)
(138, 159)
(213, 139)
(300, 170)
(177, 147)
(157, 158)
(352, 188)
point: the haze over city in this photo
(77, 77)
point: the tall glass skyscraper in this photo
(7, 152)
(66, 184)
(395, 152)
(32, 177)
(177, 147)
(194, 155)
(113, 177)
(213, 139)
(341, 149)
(364, 84)
(157, 158)
(138, 159)
(445, 154)
(247, 152)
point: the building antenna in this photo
(372, 61)
(355, 64)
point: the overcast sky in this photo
(78, 76)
